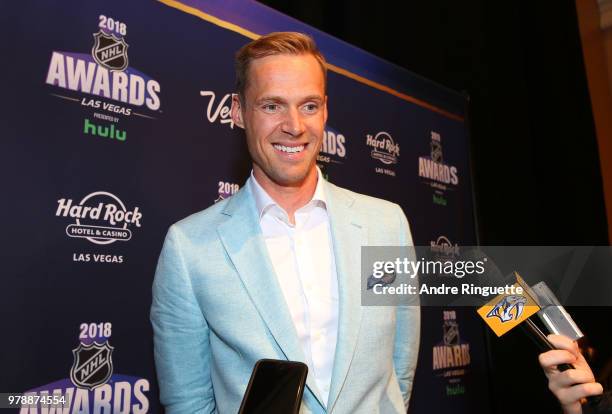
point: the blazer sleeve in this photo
(181, 335)
(408, 328)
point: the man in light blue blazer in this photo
(222, 291)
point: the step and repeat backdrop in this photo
(115, 124)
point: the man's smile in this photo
(292, 151)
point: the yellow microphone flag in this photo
(505, 312)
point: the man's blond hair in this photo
(276, 43)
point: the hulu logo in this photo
(104, 131)
(440, 200)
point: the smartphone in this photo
(275, 386)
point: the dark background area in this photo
(536, 169)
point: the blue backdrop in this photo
(116, 124)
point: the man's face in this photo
(283, 114)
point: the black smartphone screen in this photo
(275, 387)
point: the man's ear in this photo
(236, 111)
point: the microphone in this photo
(505, 312)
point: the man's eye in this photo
(270, 107)
(311, 107)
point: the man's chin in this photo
(287, 175)
(291, 181)
(296, 179)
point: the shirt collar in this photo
(264, 202)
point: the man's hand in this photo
(570, 386)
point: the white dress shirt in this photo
(303, 259)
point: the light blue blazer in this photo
(218, 308)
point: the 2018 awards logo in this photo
(92, 387)
(100, 218)
(384, 149)
(451, 356)
(436, 173)
(104, 82)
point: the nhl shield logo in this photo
(451, 333)
(110, 51)
(436, 152)
(92, 365)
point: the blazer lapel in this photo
(243, 241)
(348, 234)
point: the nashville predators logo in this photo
(509, 308)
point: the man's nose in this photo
(293, 123)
